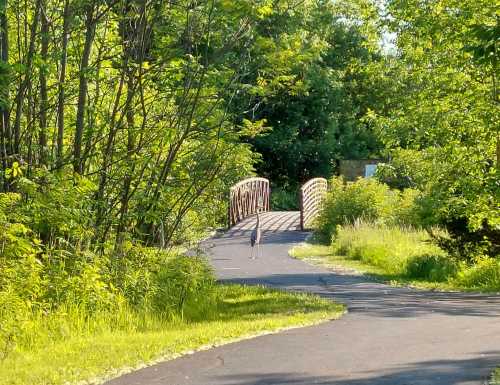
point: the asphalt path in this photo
(390, 335)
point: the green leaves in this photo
(446, 110)
(13, 172)
(487, 48)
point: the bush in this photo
(459, 192)
(284, 199)
(431, 267)
(367, 200)
(14, 313)
(484, 274)
(60, 274)
(406, 210)
(181, 280)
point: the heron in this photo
(255, 238)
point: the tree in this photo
(447, 110)
(311, 84)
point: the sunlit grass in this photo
(495, 378)
(401, 256)
(65, 348)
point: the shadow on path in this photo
(422, 373)
(391, 335)
(378, 299)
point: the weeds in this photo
(402, 255)
(68, 346)
(397, 250)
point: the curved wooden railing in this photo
(312, 194)
(246, 197)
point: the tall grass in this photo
(368, 200)
(69, 346)
(402, 254)
(397, 250)
(484, 274)
(495, 377)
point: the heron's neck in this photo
(258, 220)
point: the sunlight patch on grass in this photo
(325, 256)
(321, 255)
(105, 352)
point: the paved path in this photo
(394, 336)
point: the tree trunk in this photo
(26, 81)
(83, 88)
(62, 79)
(5, 133)
(42, 140)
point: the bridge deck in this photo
(271, 222)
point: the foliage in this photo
(444, 75)
(484, 275)
(70, 346)
(284, 199)
(180, 280)
(402, 255)
(368, 200)
(311, 83)
(466, 206)
(495, 378)
(432, 267)
(399, 251)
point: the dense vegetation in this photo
(70, 347)
(442, 129)
(122, 125)
(367, 226)
(124, 122)
(495, 380)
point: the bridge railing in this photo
(312, 195)
(246, 197)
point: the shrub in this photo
(406, 210)
(459, 192)
(484, 274)
(14, 313)
(135, 268)
(284, 199)
(407, 169)
(182, 279)
(432, 267)
(367, 200)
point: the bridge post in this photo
(311, 197)
(246, 197)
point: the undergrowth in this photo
(495, 377)
(402, 255)
(69, 346)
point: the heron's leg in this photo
(258, 250)
(251, 252)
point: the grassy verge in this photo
(322, 255)
(64, 348)
(400, 256)
(495, 378)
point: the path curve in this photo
(391, 336)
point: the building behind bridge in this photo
(352, 169)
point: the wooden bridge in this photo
(253, 194)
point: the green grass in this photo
(401, 256)
(64, 348)
(495, 377)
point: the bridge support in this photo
(246, 197)
(312, 195)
